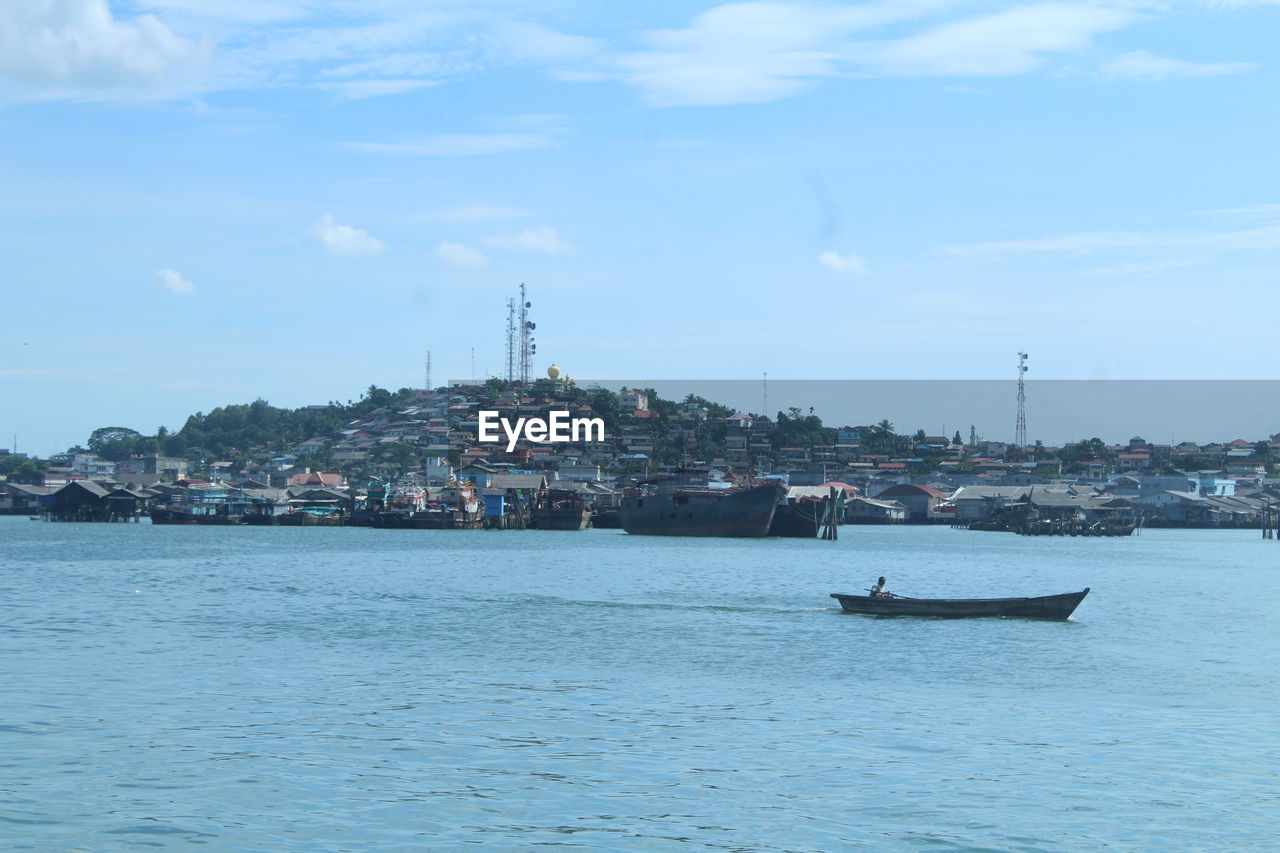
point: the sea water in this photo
(349, 689)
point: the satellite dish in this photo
(528, 305)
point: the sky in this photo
(205, 202)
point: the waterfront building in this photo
(920, 501)
(22, 499)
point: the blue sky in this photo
(205, 202)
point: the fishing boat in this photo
(1042, 607)
(455, 506)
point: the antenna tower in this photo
(527, 345)
(427, 387)
(511, 340)
(764, 395)
(1020, 431)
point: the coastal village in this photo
(418, 452)
(418, 459)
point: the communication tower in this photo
(1020, 431)
(511, 340)
(527, 345)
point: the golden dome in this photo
(553, 371)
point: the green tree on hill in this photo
(20, 469)
(663, 410)
(605, 406)
(793, 429)
(117, 443)
(1074, 456)
(715, 411)
(883, 441)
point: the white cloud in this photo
(391, 41)
(1005, 43)
(413, 64)
(740, 52)
(1141, 268)
(575, 75)
(345, 241)
(1264, 212)
(173, 282)
(459, 255)
(544, 239)
(851, 264)
(356, 90)
(235, 11)
(748, 52)
(78, 49)
(757, 52)
(373, 38)
(459, 144)
(1141, 65)
(1070, 244)
(521, 40)
(1165, 245)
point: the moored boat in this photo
(799, 517)
(560, 509)
(744, 512)
(194, 514)
(171, 515)
(606, 519)
(1041, 607)
(311, 516)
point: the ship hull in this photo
(606, 519)
(801, 520)
(743, 514)
(561, 519)
(173, 515)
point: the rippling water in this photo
(282, 689)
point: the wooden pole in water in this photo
(837, 509)
(829, 528)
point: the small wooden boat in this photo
(1043, 607)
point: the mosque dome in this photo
(553, 371)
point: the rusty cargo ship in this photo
(674, 506)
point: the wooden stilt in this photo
(830, 527)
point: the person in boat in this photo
(878, 591)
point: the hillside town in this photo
(418, 448)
